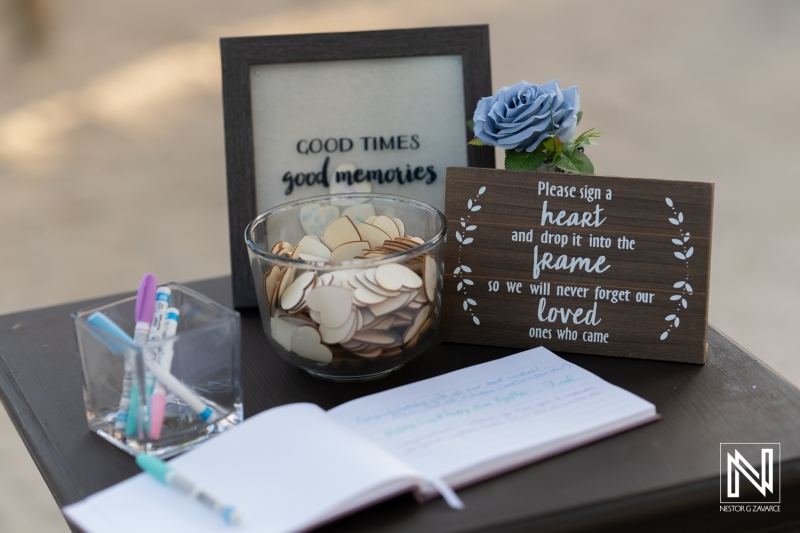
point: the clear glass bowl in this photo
(366, 328)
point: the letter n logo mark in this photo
(738, 460)
(739, 465)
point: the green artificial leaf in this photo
(576, 162)
(476, 142)
(523, 160)
(585, 138)
(580, 116)
(471, 124)
(584, 135)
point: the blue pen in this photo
(166, 475)
(117, 339)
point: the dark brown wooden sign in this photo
(578, 263)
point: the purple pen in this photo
(145, 306)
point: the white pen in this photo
(180, 390)
(159, 327)
(158, 399)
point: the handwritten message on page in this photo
(495, 415)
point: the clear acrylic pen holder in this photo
(202, 389)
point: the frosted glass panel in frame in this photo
(396, 122)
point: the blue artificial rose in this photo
(522, 116)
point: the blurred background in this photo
(112, 110)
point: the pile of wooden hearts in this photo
(367, 312)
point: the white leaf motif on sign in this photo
(684, 254)
(462, 270)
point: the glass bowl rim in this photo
(284, 261)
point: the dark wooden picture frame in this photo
(241, 53)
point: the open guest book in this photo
(295, 467)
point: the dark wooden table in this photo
(660, 477)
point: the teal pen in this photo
(166, 475)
